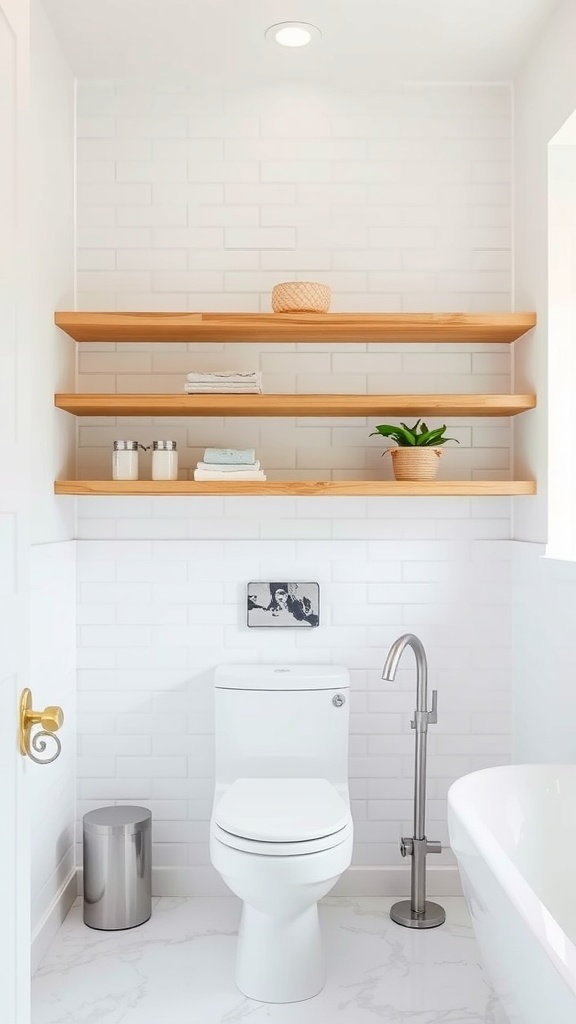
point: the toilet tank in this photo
(282, 721)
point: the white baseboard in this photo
(175, 881)
(357, 881)
(49, 924)
(395, 881)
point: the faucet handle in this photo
(433, 713)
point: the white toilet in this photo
(281, 829)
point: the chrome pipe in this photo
(417, 912)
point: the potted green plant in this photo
(418, 452)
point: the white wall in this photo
(52, 224)
(562, 334)
(544, 591)
(544, 620)
(53, 787)
(52, 561)
(545, 96)
(399, 201)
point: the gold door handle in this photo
(50, 721)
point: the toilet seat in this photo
(281, 817)
(295, 849)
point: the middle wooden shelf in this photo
(293, 405)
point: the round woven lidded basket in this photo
(300, 297)
(415, 463)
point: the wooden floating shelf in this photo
(289, 327)
(294, 405)
(375, 488)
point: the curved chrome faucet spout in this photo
(393, 660)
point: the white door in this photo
(14, 512)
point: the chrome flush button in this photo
(338, 700)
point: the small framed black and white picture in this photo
(283, 604)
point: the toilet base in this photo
(279, 959)
(279, 953)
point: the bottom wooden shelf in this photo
(376, 488)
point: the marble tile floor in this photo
(178, 968)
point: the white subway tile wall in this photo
(156, 616)
(398, 201)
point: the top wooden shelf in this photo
(294, 405)
(289, 327)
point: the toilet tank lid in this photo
(281, 677)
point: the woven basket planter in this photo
(300, 297)
(415, 463)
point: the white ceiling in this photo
(362, 40)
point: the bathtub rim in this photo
(521, 894)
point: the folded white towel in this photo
(240, 456)
(224, 382)
(195, 374)
(223, 389)
(201, 474)
(221, 467)
(200, 378)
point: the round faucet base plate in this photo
(433, 916)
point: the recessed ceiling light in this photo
(293, 33)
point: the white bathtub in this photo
(513, 830)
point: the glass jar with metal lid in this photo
(164, 460)
(125, 460)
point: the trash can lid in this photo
(120, 820)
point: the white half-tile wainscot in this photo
(162, 601)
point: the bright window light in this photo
(292, 33)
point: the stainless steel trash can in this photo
(117, 867)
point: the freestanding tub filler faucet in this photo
(417, 912)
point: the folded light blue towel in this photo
(230, 456)
(228, 467)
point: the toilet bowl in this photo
(280, 881)
(281, 830)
